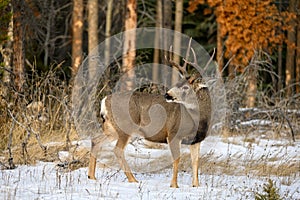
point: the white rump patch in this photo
(103, 110)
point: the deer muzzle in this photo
(168, 97)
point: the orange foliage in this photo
(193, 4)
(248, 26)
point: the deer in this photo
(186, 115)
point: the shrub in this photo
(270, 192)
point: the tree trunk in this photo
(92, 34)
(298, 52)
(158, 24)
(77, 30)
(48, 44)
(129, 50)
(177, 40)
(279, 61)
(108, 30)
(107, 43)
(167, 23)
(18, 44)
(7, 55)
(252, 87)
(280, 75)
(219, 49)
(290, 55)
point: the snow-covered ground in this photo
(231, 168)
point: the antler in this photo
(182, 69)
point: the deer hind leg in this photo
(195, 162)
(174, 145)
(96, 144)
(119, 152)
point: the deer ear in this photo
(191, 79)
(201, 85)
(194, 77)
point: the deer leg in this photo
(96, 143)
(175, 151)
(195, 162)
(119, 152)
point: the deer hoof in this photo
(196, 185)
(174, 185)
(133, 181)
(92, 177)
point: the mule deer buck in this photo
(187, 109)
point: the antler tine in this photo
(210, 59)
(170, 52)
(187, 54)
(194, 63)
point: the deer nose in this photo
(168, 97)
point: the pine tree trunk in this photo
(290, 56)
(177, 40)
(129, 51)
(18, 44)
(77, 30)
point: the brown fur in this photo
(179, 125)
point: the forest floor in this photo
(232, 167)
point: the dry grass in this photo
(32, 120)
(31, 134)
(210, 164)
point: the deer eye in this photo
(185, 87)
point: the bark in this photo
(158, 24)
(129, 51)
(49, 26)
(219, 49)
(92, 24)
(77, 30)
(177, 40)
(107, 42)
(290, 55)
(280, 74)
(18, 44)
(167, 23)
(252, 87)
(108, 30)
(7, 54)
(92, 34)
(298, 52)
(167, 13)
(231, 71)
(279, 61)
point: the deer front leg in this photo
(119, 152)
(92, 167)
(195, 162)
(96, 144)
(174, 145)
